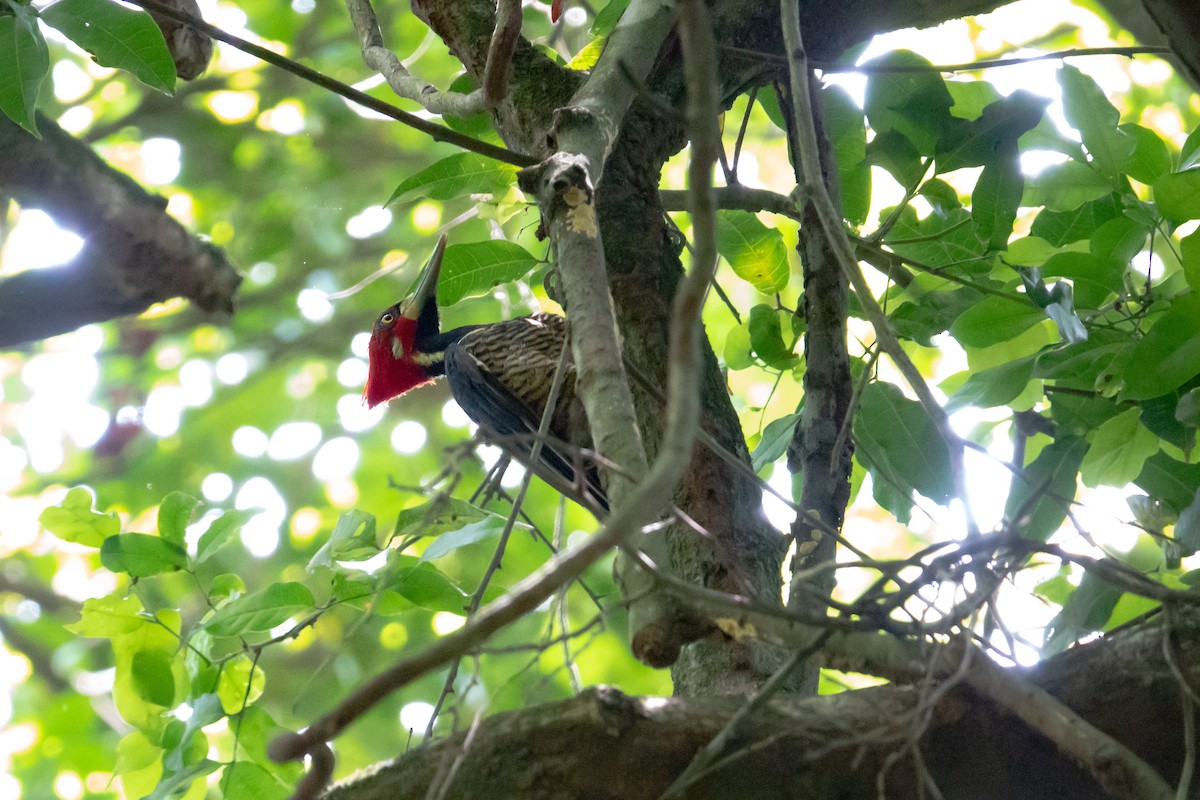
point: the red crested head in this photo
(392, 358)
(395, 361)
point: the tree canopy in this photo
(887, 331)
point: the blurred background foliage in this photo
(262, 410)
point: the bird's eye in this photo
(388, 318)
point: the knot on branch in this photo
(564, 191)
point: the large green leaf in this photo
(1088, 110)
(774, 442)
(846, 128)
(1189, 251)
(455, 176)
(174, 515)
(24, 62)
(1064, 227)
(993, 135)
(1177, 195)
(421, 584)
(915, 104)
(766, 337)
(116, 36)
(1151, 159)
(995, 319)
(475, 268)
(1119, 451)
(901, 435)
(1167, 356)
(354, 538)
(996, 198)
(1087, 609)
(1170, 481)
(74, 520)
(260, 611)
(937, 240)
(1093, 278)
(471, 533)
(1042, 492)
(1066, 186)
(141, 555)
(993, 387)
(756, 252)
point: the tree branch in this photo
(135, 255)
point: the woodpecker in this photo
(500, 374)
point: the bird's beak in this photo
(411, 308)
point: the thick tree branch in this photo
(134, 255)
(606, 745)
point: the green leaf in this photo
(1095, 280)
(895, 153)
(153, 677)
(422, 584)
(471, 533)
(1187, 528)
(756, 252)
(1051, 480)
(240, 684)
(736, 352)
(915, 104)
(993, 320)
(108, 617)
(1178, 195)
(1189, 154)
(221, 532)
(766, 337)
(586, 58)
(455, 176)
(116, 36)
(1116, 242)
(994, 135)
(1167, 356)
(774, 441)
(1119, 451)
(1088, 111)
(903, 437)
(1189, 248)
(245, 780)
(995, 199)
(437, 516)
(1170, 481)
(354, 538)
(1086, 610)
(939, 240)
(1151, 159)
(608, 17)
(1066, 186)
(846, 128)
(1060, 228)
(993, 387)
(475, 268)
(24, 62)
(74, 520)
(932, 315)
(261, 611)
(174, 515)
(941, 195)
(141, 555)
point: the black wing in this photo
(513, 424)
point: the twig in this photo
(438, 133)
(496, 74)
